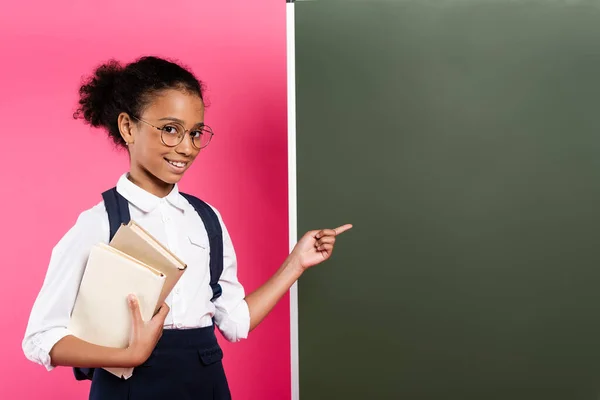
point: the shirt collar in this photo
(144, 200)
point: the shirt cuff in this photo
(43, 343)
(234, 325)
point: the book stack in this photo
(133, 262)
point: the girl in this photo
(155, 109)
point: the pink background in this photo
(54, 167)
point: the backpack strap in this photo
(215, 239)
(117, 209)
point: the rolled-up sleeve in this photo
(232, 315)
(52, 308)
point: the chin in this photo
(165, 177)
(171, 179)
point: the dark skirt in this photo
(186, 364)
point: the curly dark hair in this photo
(113, 89)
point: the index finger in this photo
(165, 309)
(342, 229)
(162, 313)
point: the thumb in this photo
(134, 306)
(310, 234)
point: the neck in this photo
(150, 183)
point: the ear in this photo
(126, 128)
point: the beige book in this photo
(101, 314)
(138, 243)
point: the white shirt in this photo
(175, 223)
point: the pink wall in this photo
(51, 163)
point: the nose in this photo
(186, 147)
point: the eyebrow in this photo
(178, 121)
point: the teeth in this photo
(177, 164)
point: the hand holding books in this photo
(144, 335)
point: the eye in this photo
(196, 134)
(170, 129)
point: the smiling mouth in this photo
(178, 164)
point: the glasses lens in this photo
(202, 136)
(172, 134)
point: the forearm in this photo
(262, 300)
(73, 352)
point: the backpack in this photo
(117, 208)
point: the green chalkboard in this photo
(462, 139)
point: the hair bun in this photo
(97, 95)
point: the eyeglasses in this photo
(172, 133)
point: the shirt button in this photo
(177, 290)
(180, 325)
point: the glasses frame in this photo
(162, 130)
